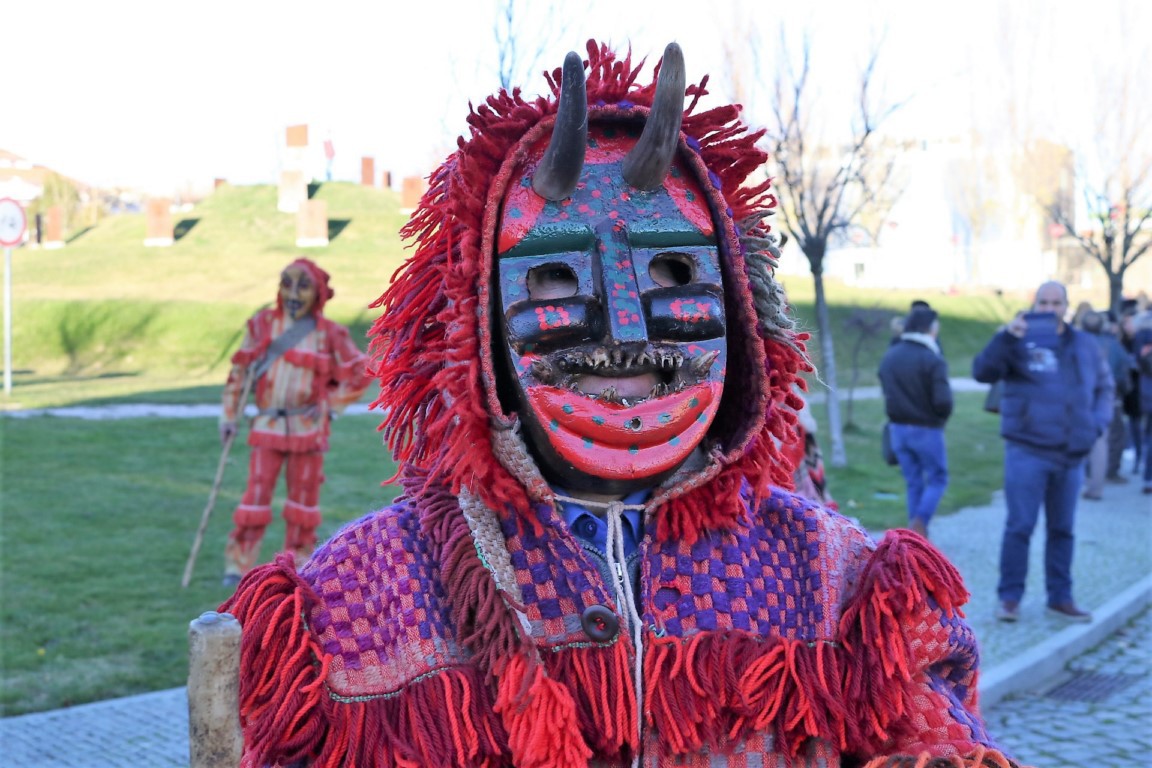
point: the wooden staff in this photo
(248, 378)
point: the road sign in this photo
(13, 222)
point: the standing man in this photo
(303, 369)
(587, 369)
(918, 402)
(1057, 401)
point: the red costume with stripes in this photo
(321, 374)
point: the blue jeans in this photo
(924, 464)
(1147, 442)
(1030, 480)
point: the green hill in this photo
(106, 316)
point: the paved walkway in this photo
(1021, 662)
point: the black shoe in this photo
(1116, 479)
(1070, 611)
(1009, 610)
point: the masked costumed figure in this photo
(587, 371)
(303, 368)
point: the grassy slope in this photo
(114, 317)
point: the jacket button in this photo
(599, 623)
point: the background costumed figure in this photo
(588, 372)
(305, 368)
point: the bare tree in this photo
(1119, 211)
(827, 186)
(521, 45)
(1088, 168)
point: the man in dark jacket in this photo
(1057, 401)
(918, 401)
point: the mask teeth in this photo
(569, 361)
(645, 358)
(617, 357)
(660, 389)
(543, 371)
(609, 395)
(701, 365)
(599, 359)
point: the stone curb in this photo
(1043, 664)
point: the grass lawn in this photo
(98, 521)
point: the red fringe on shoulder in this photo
(718, 688)
(288, 714)
(903, 573)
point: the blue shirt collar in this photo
(593, 528)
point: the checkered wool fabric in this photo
(740, 626)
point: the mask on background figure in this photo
(297, 291)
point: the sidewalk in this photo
(1112, 574)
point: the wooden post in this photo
(214, 691)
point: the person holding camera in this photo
(1057, 401)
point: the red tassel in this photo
(540, 718)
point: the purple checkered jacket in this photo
(792, 636)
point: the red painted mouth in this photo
(620, 442)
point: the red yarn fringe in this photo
(288, 714)
(600, 684)
(981, 757)
(540, 718)
(720, 687)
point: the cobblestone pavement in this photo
(1099, 713)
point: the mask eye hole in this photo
(552, 281)
(669, 270)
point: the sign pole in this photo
(7, 321)
(13, 223)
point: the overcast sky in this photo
(162, 95)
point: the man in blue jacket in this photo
(1056, 403)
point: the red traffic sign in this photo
(13, 222)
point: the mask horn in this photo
(560, 168)
(648, 162)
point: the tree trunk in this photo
(828, 365)
(1116, 291)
